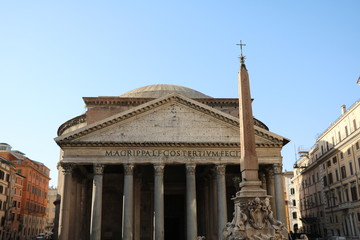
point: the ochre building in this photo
(27, 196)
(158, 160)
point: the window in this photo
(334, 159)
(339, 195)
(328, 163)
(351, 168)
(294, 202)
(1, 189)
(354, 193)
(347, 194)
(349, 151)
(341, 155)
(2, 175)
(19, 171)
(343, 172)
(354, 122)
(292, 191)
(294, 215)
(346, 131)
(337, 175)
(357, 146)
(325, 181)
(330, 177)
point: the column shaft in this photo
(159, 202)
(221, 196)
(65, 205)
(270, 188)
(96, 204)
(279, 194)
(129, 202)
(191, 217)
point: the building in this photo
(50, 209)
(14, 223)
(28, 204)
(5, 170)
(291, 203)
(164, 157)
(327, 179)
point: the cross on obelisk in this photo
(241, 45)
(250, 184)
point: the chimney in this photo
(343, 109)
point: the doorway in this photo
(174, 217)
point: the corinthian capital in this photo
(277, 168)
(98, 169)
(159, 169)
(220, 169)
(128, 169)
(190, 169)
(67, 167)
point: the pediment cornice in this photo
(65, 139)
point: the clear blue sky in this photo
(302, 56)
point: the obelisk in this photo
(253, 218)
(250, 185)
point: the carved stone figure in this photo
(254, 221)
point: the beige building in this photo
(327, 179)
(158, 160)
(50, 208)
(291, 204)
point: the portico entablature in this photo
(169, 155)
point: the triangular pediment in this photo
(173, 119)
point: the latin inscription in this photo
(172, 153)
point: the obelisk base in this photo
(253, 218)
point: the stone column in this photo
(279, 193)
(270, 188)
(221, 196)
(137, 209)
(78, 213)
(128, 211)
(191, 218)
(96, 204)
(83, 209)
(65, 205)
(159, 202)
(352, 227)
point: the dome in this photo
(160, 90)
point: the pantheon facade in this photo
(158, 161)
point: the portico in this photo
(156, 166)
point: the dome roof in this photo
(160, 90)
